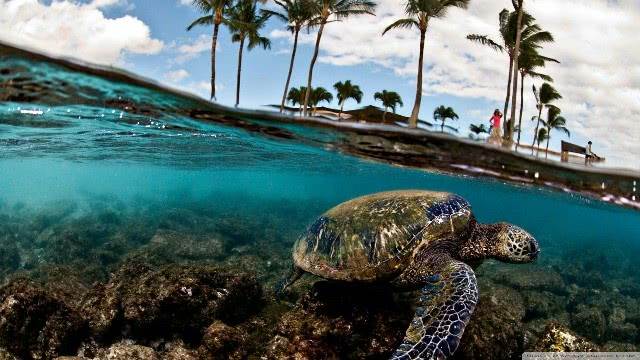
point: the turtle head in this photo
(514, 245)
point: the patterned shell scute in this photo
(372, 236)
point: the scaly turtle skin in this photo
(413, 240)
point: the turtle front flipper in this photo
(444, 309)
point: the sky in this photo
(599, 74)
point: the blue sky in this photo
(595, 40)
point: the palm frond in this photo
(407, 23)
(205, 20)
(537, 75)
(486, 41)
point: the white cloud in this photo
(176, 75)
(191, 50)
(75, 29)
(595, 40)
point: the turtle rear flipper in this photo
(444, 309)
(292, 276)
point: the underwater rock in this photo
(9, 258)
(542, 304)
(168, 246)
(171, 300)
(620, 325)
(221, 341)
(126, 351)
(496, 330)
(613, 346)
(589, 321)
(69, 283)
(557, 338)
(178, 351)
(35, 324)
(5, 355)
(625, 332)
(336, 321)
(529, 278)
(101, 310)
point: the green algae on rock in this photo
(171, 299)
(35, 324)
(557, 338)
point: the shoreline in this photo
(395, 145)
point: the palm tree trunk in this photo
(535, 135)
(214, 42)
(506, 101)
(313, 63)
(384, 115)
(341, 108)
(413, 120)
(442, 127)
(521, 110)
(293, 57)
(547, 149)
(514, 101)
(239, 72)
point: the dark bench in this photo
(568, 147)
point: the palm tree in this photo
(508, 136)
(296, 96)
(245, 24)
(323, 10)
(318, 95)
(530, 60)
(442, 113)
(297, 14)
(506, 25)
(214, 12)
(544, 97)
(541, 136)
(419, 13)
(478, 129)
(390, 100)
(347, 91)
(555, 122)
(532, 38)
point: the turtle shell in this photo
(374, 237)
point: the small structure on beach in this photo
(589, 156)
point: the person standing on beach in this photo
(496, 129)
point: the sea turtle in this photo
(412, 240)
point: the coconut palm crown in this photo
(555, 122)
(214, 15)
(323, 11)
(245, 22)
(442, 113)
(345, 91)
(532, 38)
(319, 95)
(296, 96)
(419, 13)
(390, 100)
(544, 97)
(530, 61)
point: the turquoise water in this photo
(85, 183)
